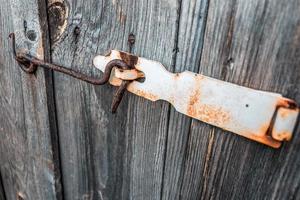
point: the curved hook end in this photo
(13, 43)
(24, 64)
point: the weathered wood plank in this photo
(91, 138)
(107, 156)
(121, 157)
(2, 194)
(255, 44)
(147, 123)
(190, 42)
(27, 166)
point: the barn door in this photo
(146, 150)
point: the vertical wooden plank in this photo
(107, 156)
(189, 47)
(91, 138)
(156, 27)
(27, 166)
(2, 194)
(255, 44)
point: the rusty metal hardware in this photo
(262, 116)
(29, 64)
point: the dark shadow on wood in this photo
(2, 191)
(44, 21)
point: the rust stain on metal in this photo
(194, 98)
(131, 74)
(265, 139)
(115, 81)
(284, 113)
(192, 107)
(213, 114)
(285, 135)
(205, 112)
(264, 136)
(146, 95)
(264, 129)
(288, 103)
(199, 77)
(129, 59)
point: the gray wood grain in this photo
(255, 44)
(107, 156)
(141, 152)
(27, 166)
(91, 138)
(146, 150)
(189, 47)
(147, 122)
(2, 194)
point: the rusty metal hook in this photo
(29, 64)
(23, 63)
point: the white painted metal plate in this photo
(262, 116)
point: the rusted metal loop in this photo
(29, 64)
(25, 65)
(119, 95)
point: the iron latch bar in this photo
(29, 64)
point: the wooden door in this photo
(29, 168)
(60, 141)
